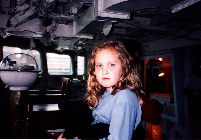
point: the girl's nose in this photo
(105, 71)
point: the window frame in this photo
(71, 65)
(84, 65)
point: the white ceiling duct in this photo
(99, 9)
(103, 11)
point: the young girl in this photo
(113, 92)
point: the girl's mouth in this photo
(106, 78)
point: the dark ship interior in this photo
(54, 39)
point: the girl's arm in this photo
(126, 115)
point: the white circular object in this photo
(18, 80)
(19, 71)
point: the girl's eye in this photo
(112, 65)
(98, 66)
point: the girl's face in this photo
(108, 68)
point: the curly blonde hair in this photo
(129, 78)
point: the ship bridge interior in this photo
(163, 36)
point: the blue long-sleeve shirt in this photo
(122, 111)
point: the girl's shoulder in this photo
(126, 95)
